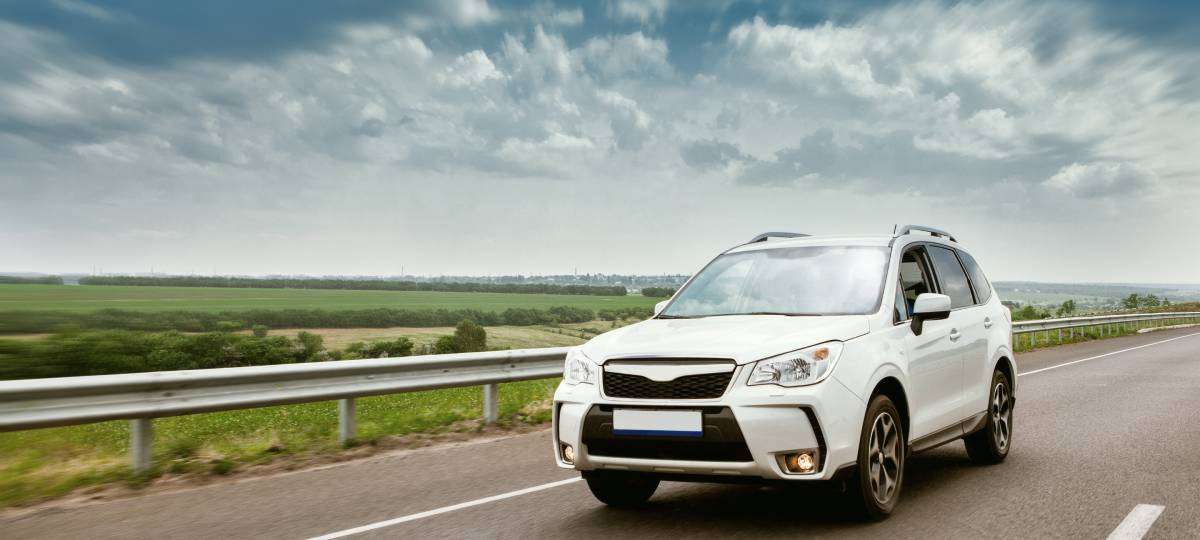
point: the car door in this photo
(934, 360)
(967, 323)
(977, 362)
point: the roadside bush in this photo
(468, 337)
(259, 330)
(445, 345)
(376, 349)
(27, 322)
(122, 351)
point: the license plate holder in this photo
(658, 422)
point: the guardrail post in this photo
(347, 423)
(491, 403)
(141, 443)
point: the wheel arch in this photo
(1006, 366)
(890, 386)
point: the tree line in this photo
(41, 280)
(354, 284)
(658, 292)
(26, 322)
(105, 352)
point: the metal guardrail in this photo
(1106, 324)
(141, 397)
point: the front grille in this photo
(704, 386)
(722, 439)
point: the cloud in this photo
(643, 11)
(133, 117)
(165, 33)
(470, 69)
(628, 55)
(711, 154)
(1104, 179)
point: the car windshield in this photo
(810, 280)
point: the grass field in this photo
(93, 297)
(45, 463)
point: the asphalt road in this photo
(1093, 440)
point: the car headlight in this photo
(579, 368)
(797, 368)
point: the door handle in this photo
(987, 322)
(954, 335)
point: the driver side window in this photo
(915, 280)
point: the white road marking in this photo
(1135, 525)
(444, 509)
(1105, 354)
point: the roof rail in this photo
(901, 231)
(764, 236)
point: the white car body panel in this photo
(945, 382)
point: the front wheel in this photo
(990, 444)
(875, 487)
(619, 488)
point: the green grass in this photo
(46, 463)
(83, 298)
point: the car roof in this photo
(877, 240)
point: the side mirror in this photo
(660, 306)
(929, 307)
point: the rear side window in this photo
(951, 276)
(979, 282)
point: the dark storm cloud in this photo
(156, 33)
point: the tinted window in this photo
(811, 280)
(979, 282)
(951, 276)
(915, 278)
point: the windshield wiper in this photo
(674, 317)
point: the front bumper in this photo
(746, 431)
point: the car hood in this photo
(743, 338)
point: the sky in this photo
(1057, 140)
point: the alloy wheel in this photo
(884, 458)
(1001, 410)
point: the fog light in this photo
(568, 454)
(800, 462)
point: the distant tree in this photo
(1166, 301)
(259, 330)
(469, 337)
(1131, 301)
(1029, 313)
(1067, 308)
(311, 346)
(1150, 300)
(445, 345)
(229, 326)
(658, 292)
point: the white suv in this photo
(796, 360)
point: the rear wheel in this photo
(875, 487)
(619, 488)
(990, 444)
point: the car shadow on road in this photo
(711, 510)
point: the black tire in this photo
(618, 488)
(990, 445)
(879, 465)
